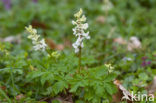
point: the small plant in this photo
(79, 31)
(90, 85)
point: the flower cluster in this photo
(79, 30)
(54, 54)
(38, 44)
(110, 68)
(2, 49)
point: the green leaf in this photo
(76, 85)
(46, 77)
(34, 74)
(59, 86)
(110, 77)
(99, 90)
(143, 76)
(89, 95)
(79, 101)
(56, 101)
(110, 88)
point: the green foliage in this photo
(38, 76)
(56, 76)
(93, 85)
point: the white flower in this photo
(41, 45)
(82, 19)
(73, 22)
(110, 68)
(43, 42)
(79, 30)
(38, 44)
(76, 48)
(86, 35)
(74, 31)
(31, 30)
(85, 26)
(34, 37)
(37, 47)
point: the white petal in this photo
(34, 31)
(85, 26)
(86, 35)
(76, 50)
(43, 43)
(74, 45)
(82, 45)
(73, 22)
(74, 31)
(36, 47)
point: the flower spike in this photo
(38, 44)
(79, 30)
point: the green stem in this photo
(12, 79)
(80, 60)
(13, 83)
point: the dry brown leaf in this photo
(67, 43)
(133, 44)
(60, 47)
(3, 87)
(122, 93)
(100, 19)
(152, 88)
(53, 45)
(19, 97)
(12, 39)
(120, 40)
(67, 99)
(37, 24)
